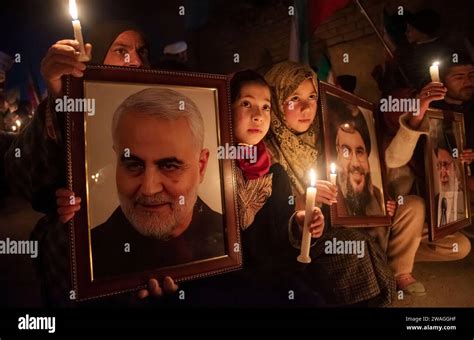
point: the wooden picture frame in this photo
(89, 175)
(444, 170)
(361, 202)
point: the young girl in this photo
(293, 142)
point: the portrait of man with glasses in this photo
(449, 202)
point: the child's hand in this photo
(467, 156)
(327, 192)
(154, 289)
(391, 208)
(68, 204)
(316, 225)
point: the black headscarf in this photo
(103, 35)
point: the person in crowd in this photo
(294, 142)
(404, 154)
(40, 171)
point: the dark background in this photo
(258, 30)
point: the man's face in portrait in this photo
(158, 183)
(353, 161)
(446, 170)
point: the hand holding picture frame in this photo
(156, 200)
(351, 142)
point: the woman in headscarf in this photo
(294, 142)
(40, 171)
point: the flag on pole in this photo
(307, 16)
(325, 70)
(321, 10)
(299, 33)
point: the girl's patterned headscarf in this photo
(296, 152)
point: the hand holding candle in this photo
(434, 72)
(76, 24)
(306, 239)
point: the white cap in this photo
(175, 48)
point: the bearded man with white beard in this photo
(449, 202)
(160, 217)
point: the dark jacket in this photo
(271, 275)
(203, 239)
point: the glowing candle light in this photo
(434, 72)
(76, 25)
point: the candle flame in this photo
(436, 63)
(312, 177)
(73, 9)
(333, 168)
(18, 122)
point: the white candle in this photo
(306, 239)
(434, 72)
(333, 175)
(76, 25)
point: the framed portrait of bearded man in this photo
(142, 153)
(353, 152)
(447, 196)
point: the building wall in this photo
(261, 37)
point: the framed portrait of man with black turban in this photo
(351, 147)
(447, 196)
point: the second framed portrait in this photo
(352, 151)
(156, 200)
(447, 195)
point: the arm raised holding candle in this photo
(431, 92)
(60, 60)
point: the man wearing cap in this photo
(424, 45)
(413, 56)
(175, 56)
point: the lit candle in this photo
(434, 72)
(333, 175)
(306, 239)
(76, 25)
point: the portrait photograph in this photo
(446, 178)
(158, 202)
(351, 145)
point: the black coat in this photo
(271, 275)
(203, 239)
